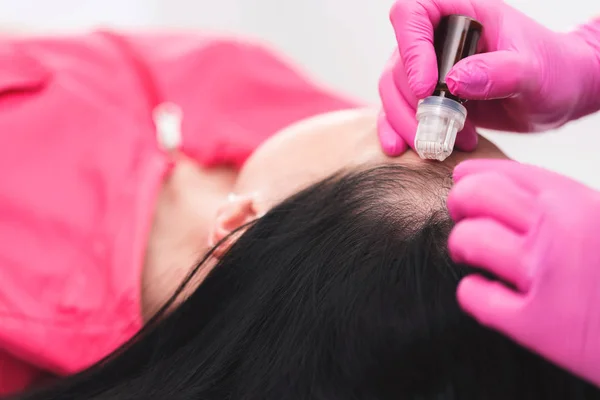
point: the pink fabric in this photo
(81, 169)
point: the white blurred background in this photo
(344, 43)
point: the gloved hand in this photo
(397, 128)
(540, 232)
(536, 79)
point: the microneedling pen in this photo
(442, 115)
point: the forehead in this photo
(313, 149)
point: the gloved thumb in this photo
(491, 303)
(495, 75)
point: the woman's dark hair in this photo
(343, 291)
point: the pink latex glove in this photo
(402, 103)
(535, 79)
(540, 232)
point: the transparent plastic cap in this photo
(440, 119)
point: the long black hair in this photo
(343, 291)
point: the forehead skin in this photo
(313, 149)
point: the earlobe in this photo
(235, 213)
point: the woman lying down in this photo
(329, 279)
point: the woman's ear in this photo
(235, 213)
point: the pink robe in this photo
(82, 164)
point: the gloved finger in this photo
(391, 143)
(492, 195)
(486, 244)
(491, 303)
(414, 33)
(467, 139)
(529, 177)
(400, 115)
(396, 64)
(414, 23)
(494, 75)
